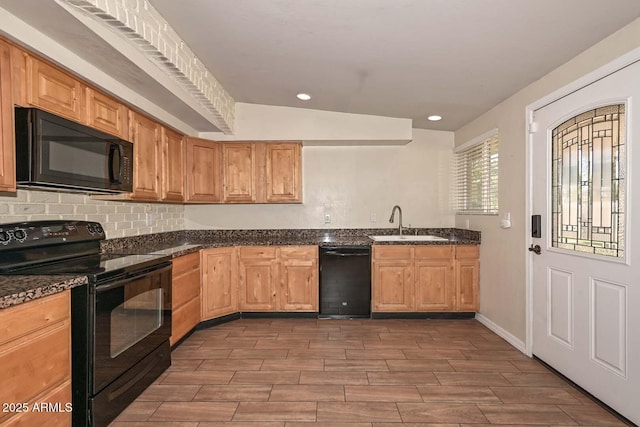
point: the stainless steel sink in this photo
(408, 238)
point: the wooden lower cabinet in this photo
(35, 355)
(258, 277)
(298, 278)
(278, 278)
(185, 298)
(219, 282)
(423, 278)
(467, 271)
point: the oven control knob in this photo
(4, 237)
(20, 234)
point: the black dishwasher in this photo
(345, 281)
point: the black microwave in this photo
(56, 153)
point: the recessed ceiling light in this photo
(304, 96)
(434, 118)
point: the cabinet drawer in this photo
(393, 252)
(434, 252)
(302, 252)
(56, 413)
(185, 264)
(25, 318)
(185, 287)
(34, 363)
(472, 251)
(258, 252)
(184, 319)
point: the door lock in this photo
(535, 249)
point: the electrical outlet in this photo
(149, 219)
(327, 218)
(373, 217)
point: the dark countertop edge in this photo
(34, 287)
(186, 249)
(15, 290)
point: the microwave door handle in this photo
(115, 167)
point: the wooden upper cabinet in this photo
(54, 90)
(239, 172)
(7, 149)
(106, 114)
(173, 165)
(203, 172)
(145, 135)
(283, 173)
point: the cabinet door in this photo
(258, 278)
(54, 90)
(145, 135)
(283, 173)
(239, 172)
(219, 282)
(203, 170)
(434, 290)
(392, 285)
(7, 152)
(185, 297)
(107, 114)
(298, 278)
(467, 266)
(434, 278)
(172, 166)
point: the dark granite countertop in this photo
(18, 289)
(15, 290)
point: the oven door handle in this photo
(107, 286)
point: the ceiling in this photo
(396, 58)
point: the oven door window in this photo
(136, 318)
(132, 318)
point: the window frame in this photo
(485, 150)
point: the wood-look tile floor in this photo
(356, 373)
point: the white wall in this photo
(503, 252)
(119, 219)
(350, 183)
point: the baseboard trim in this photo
(503, 333)
(423, 315)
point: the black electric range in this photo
(120, 320)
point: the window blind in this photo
(476, 177)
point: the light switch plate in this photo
(327, 218)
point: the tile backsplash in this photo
(119, 219)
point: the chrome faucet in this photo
(393, 211)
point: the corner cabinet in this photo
(219, 282)
(7, 149)
(425, 278)
(35, 355)
(185, 299)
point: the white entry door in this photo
(586, 277)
